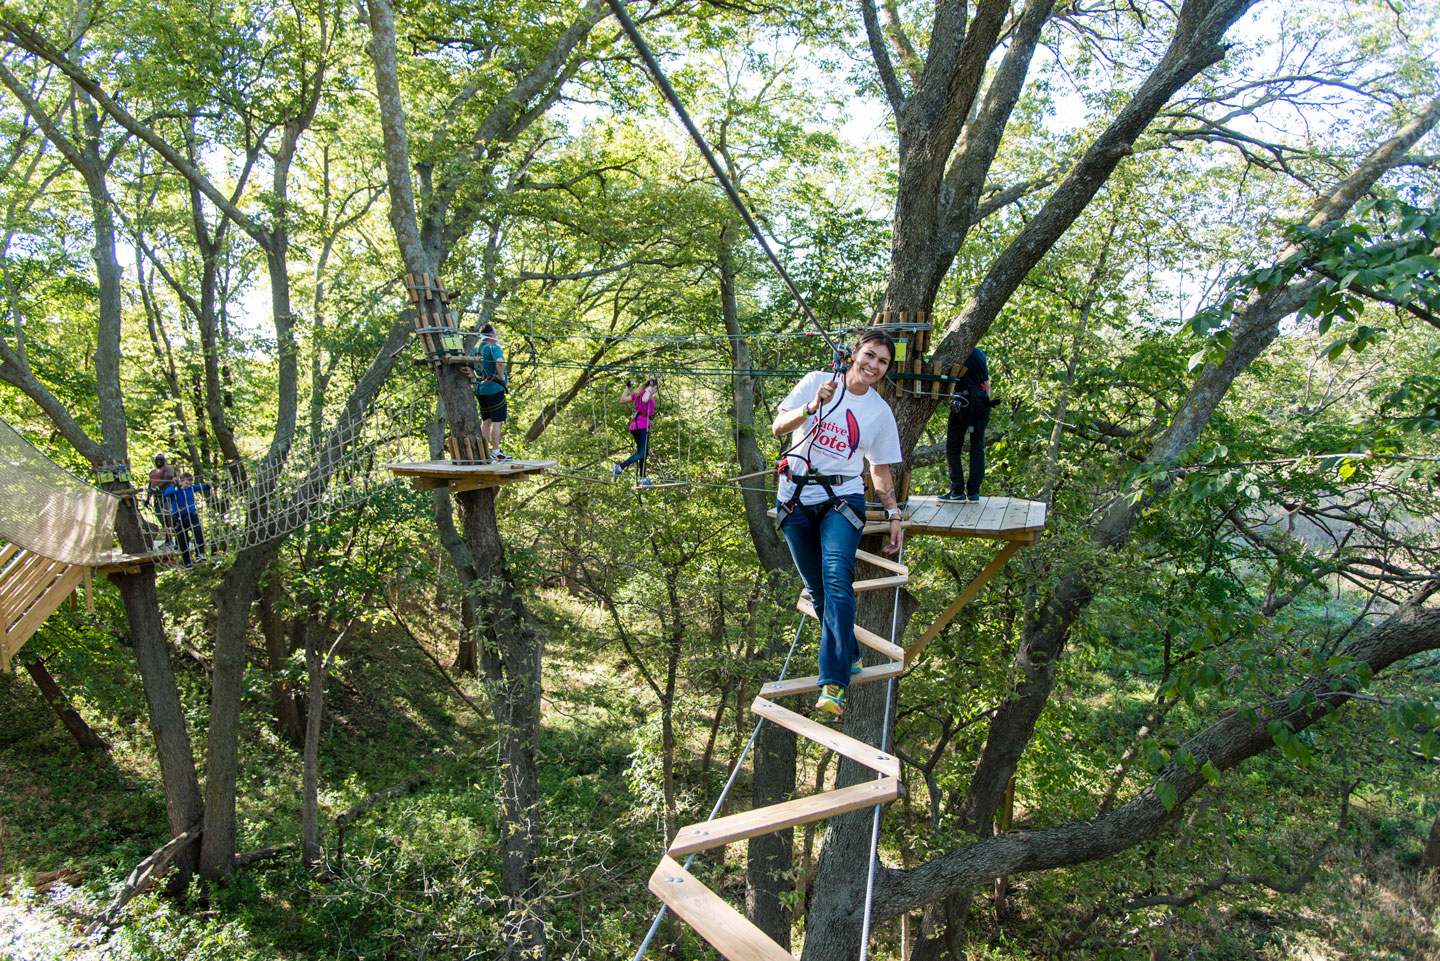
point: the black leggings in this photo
(641, 437)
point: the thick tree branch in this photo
(1225, 744)
(876, 38)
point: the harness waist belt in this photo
(824, 480)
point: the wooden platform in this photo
(118, 562)
(996, 518)
(457, 477)
(993, 518)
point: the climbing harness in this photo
(827, 483)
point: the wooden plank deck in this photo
(457, 477)
(994, 518)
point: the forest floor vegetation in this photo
(419, 876)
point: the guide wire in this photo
(884, 746)
(661, 81)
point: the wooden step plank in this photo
(778, 817)
(22, 587)
(883, 563)
(857, 751)
(881, 583)
(799, 685)
(15, 636)
(727, 930)
(864, 635)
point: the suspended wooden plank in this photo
(778, 817)
(881, 583)
(727, 930)
(864, 635)
(837, 741)
(882, 562)
(803, 685)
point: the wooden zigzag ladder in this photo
(1012, 521)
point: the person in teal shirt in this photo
(490, 389)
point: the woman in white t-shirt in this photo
(837, 424)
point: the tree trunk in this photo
(183, 803)
(1430, 858)
(277, 652)
(233, 597)
(837, 904)
(311, 856)
(60, 704)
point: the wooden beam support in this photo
(966, 596)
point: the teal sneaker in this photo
(832, 700)
(856, 667)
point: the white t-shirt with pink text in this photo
(856, 427)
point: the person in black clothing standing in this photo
(969, 410)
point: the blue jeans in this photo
(823, 544)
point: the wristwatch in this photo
(893, 514)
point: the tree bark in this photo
(277, 654)
(311, 854)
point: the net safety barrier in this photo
(49, 511)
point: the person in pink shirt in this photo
(644, 401)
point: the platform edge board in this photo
(727, 930)
(787, 814)
(837, 741)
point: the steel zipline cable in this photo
(663, 82)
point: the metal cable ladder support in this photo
(726, 929)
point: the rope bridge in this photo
(54, 529)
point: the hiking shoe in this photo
(856, 667)
(951, 496)
(974, 498)
(832, 700)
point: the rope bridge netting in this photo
(49, 511)
(250, 502)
